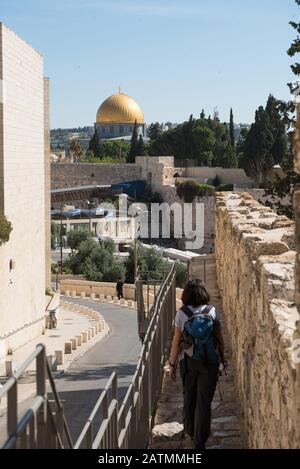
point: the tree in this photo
(151, 264)
(94, 145)
(204, 140)
(75, 237)
(293, 50)
(154, 131)
(133, 145)
(76, 148)
(258, 158)
(274, 109)
(140, 150)
(202, 115)
(281, 190)
(96, 261)
(231, 129)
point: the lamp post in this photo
(61, 236)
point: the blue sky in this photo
(175, 57)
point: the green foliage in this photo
(107, 151)
(150, 262)
(55, 235)
(96, 261)
(154, 131)
(294, 49)
(76, 148)
(205, 140)
(189, 190)
(5, 229)
(140, 149)
(224, 187)
(231, 129)
(75, 237)
(205, 190)
(133, 152)
(280, 191)
(258, 158)
(181, 274)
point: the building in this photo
(117, 115)
(24, 191)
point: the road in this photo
(81, 386)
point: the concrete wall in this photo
(255, 253)
(82, 174)
(22, 295)
(235, 176)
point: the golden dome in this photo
(119, 109)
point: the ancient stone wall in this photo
(255, 254)
(85, 174)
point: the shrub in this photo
(181, 274)
(224, 187)
(75, 237)
(187, 190)
(205, 189)
(5, 229)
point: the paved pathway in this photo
(81, 386)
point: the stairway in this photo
(225, 426)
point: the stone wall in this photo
(86, 174)
(22, 188)
(255, 253)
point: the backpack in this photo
(199, 333)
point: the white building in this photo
(24, 190)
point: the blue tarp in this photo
(134, 189)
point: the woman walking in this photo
(199, 347)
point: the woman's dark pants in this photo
(199, 384)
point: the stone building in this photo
(117, 115)
(24, 190)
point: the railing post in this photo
(42, 420)
(12, 409)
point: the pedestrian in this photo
(198, 346)
(119, 288)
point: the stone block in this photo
(82, 294)
(59, 356)
(10, 367)
(93, 296)
(73, 294)
(74, 343)
(84, 335)
(67, 293)
(79, 339)
(68, 347)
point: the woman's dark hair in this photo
(195, 293)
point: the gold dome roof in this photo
(120, 109)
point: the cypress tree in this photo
(140, 151)
(133, 145)
(95, 145)
(231, 129)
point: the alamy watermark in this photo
(176, 220)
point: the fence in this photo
(44, 424)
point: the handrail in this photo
(125, 427)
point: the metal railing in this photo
(44, 426)
(129, 426)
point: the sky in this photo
(174, 57)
